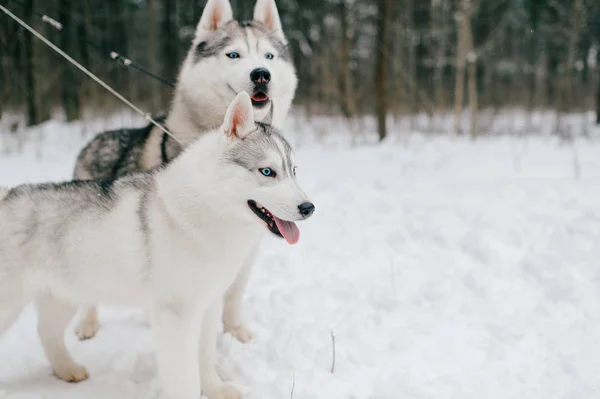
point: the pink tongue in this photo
(288, 230)
(260, 97)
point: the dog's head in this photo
(228, 57)
(251, 173)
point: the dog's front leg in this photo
(176, 329)
(233, 320)
(212, 385)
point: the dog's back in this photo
(112, 154)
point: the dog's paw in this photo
(87, 329)
(241, 333)
(222, 391)
(72, 373)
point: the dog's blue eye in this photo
(269, 56)
(233, 55)
(267, 172)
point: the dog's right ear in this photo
(265, 11)
(215, 14)
(239, 118)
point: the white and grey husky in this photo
(226, 57)
(171, 240)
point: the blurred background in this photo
(438, 65)
(451, 148)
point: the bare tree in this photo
(32, 111)
(69, 91)
(2, 84)
(381, 68)
(346, 83)
(438, 8)
(465, 53)
(598, 90)
(566, 81)
(170, 39)
(155, 99)
(82, 34)
(412, 60)
(471, 58)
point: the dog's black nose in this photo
(260, 75)
(306, 209)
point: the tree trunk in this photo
(598, 94)
(84, 87)
(440, 53)
(153, 54)
(566, 90)
(461, 51)
(381, 67)
(471, 59)
(346, 92)
(242, 9)
(532, 96)
(2, 83)
(118, 42)
(170, 43)
(69, 82)
(571, 52)
(30, 92)
(412, 61)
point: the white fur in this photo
(203, 93)
(204, 85)
(201, 235)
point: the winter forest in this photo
(354, 57)
(451, 149)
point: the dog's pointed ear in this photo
(239, 118)
(215, 14)
(265, 11)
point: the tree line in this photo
(354, 57)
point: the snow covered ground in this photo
(444, 269)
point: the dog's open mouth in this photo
(260, 98)
(279, 227)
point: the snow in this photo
(444, 268)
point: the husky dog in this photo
(226, 57)
(177, 237)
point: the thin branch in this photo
(293, 386)
(333, 352)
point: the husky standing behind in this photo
(226, 57)
(178, 237)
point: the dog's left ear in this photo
(239, 118)
(265, 11)
(215, 14)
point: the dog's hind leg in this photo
(53, 317)
(233, 321)
(89, 325)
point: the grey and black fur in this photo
(209, 79)
(160, 240)
(119, 152)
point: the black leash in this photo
(112, 55)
